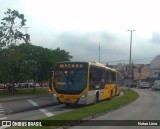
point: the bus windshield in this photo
(70, 78)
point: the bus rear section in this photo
(103, 81)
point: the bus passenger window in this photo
(91, 80)
(108, 77)
(113, 75)
(97, 78)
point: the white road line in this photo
(32, 102)
(3, 118)
(1, 111)
(47, 113)
(1, 106)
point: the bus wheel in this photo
(111, 95)
(96, 98)
(117, 94)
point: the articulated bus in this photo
(83, 82)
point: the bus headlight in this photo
(55, 95)
(84, 95)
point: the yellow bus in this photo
(83, 82)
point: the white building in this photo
(155, 68)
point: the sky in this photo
(81, 27)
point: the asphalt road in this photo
(146, 107)
(26, 104)
(38, 113)
(30, 108)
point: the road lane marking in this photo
(2, 112)
(47, 113)
(32, 102)
(1, 107)
(3, 118)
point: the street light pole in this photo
(99, 54)
(130, 57)
(26, 29)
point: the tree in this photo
(26, 61)
(10, 29)
(61, 55)
(11, 66)
(43, 59)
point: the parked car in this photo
(37, 85)
(132, 85)
(2, 86)
(156, 85)
(144, 85)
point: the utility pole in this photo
(99, 54)
(26, 28)
(130, 58)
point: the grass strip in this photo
(23, 92)
(69, 118)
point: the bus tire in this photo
(111, 95)
(117, 93)
(97, 98)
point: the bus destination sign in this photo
(71, 65)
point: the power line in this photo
(132, 60)
(144, 58)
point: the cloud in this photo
(155, 38)
(85, 46)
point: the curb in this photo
(77, 122)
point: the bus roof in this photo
(90, 63)
(102, 65)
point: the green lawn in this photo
(23, 92)
(88, 111)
